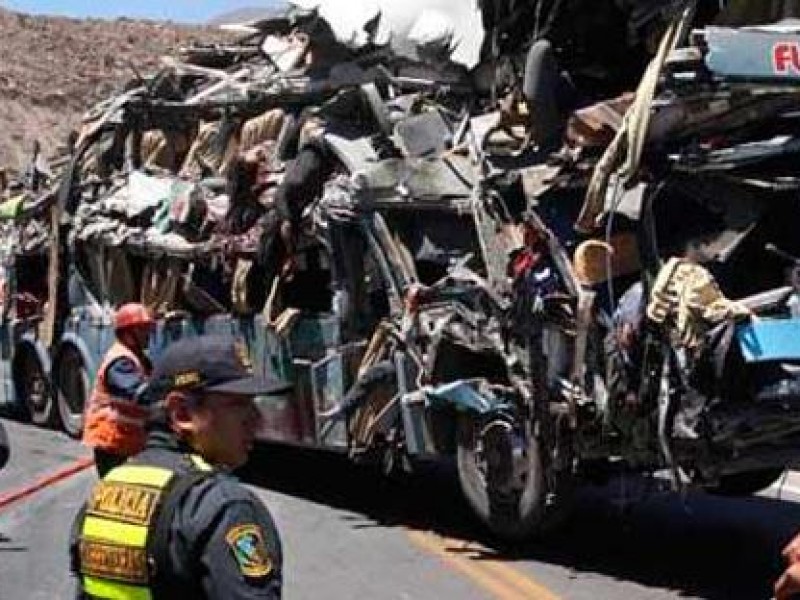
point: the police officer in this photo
(114, 420)
(172, 522)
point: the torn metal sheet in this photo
(739, 155)
(625, 200)
(596, 125)
(424, 135)
(465, 396)
(395, 181)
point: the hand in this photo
(336, 412)
(288, 268)
(788, 586)
(791, 552)
(254, 155)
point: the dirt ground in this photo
(54, 68)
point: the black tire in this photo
(540, 87)
(5, 447)
(72, 390)
(746, 483)
(33, 388)
(517, 515)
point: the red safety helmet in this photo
(132, 314)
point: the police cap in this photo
(210, 363)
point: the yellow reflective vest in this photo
(118, 528)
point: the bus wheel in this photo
(32, 388)
(5, 448)
(72, 390)
(503, 479)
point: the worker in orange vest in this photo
(114, 421)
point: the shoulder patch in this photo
(247, 544)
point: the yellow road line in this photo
(523, 583)
(500, 580)
(495, 587)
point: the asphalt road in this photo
(349, 533)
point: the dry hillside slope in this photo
(53, 68)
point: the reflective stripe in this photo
(112, 590)
(200, 462)
(140, 475)
(112, 423)
(115, 557)
(114, 531)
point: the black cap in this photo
(211, 363)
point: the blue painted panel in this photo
(328, 387)
(312, 336)
(92, 334)
(222, 324)
(756, 55)
(7, 392)
(277, 356)
(770, 339)
(171, 330)
(253, 337)
(97, 334)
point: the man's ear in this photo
(179, 414)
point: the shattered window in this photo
(436, 241)
(309, 289)
(30, 294)
(732, 231)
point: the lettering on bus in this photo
(786, 58)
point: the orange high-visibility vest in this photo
(115, 424)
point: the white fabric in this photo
(347, 19)
(459, 20)
(432, 26)
(141, 193)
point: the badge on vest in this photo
(247, 544)
(113, 561)
(127, 503)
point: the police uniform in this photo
(168, 525)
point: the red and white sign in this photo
(786, 58)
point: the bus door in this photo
(308, 341)
(7, 395)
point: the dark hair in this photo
(159, 417)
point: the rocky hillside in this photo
(53, 68)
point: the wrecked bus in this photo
(25, 361)
(434, 286)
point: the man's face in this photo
(137, 336)
(223, 428)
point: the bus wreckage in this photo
(392, 247)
